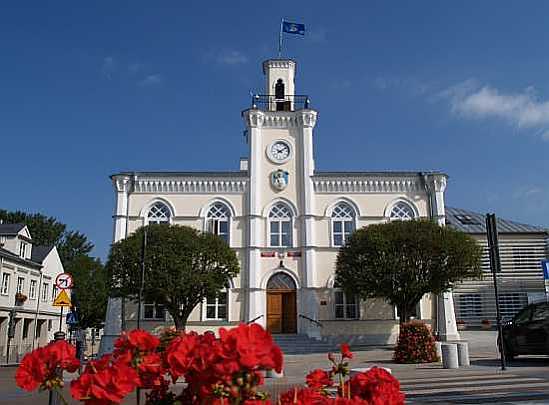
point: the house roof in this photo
(10, 229)
(39, 253)
(474, 222)
(12, 256)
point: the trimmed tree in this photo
(401, 261)
(182, 267)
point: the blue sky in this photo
(90, 89)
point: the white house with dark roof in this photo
(286, 221)
(522, 248)
(29, 272)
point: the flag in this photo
(293, 28)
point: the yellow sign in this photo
(62, 300)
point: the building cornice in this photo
(366, 184)
(280, 119)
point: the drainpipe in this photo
(425, 179)
(40, 287)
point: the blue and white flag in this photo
(293, 28)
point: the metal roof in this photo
(10, 229)
(474, 222)
(39, 253)
(10, 255)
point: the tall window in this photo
(54, 292)
(20, 284)
(216, 306)
(45, 290)
(346, 306)
(32, 290)
(402, 211)
(343, 223)
(280, 225)
(218, 219)
(23, 250)
(5, 283)
(159, 213)
(152, 310)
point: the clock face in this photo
(279, 151)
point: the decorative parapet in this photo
(198, 186)
(366, 185)
(279, 119)
(121, 183)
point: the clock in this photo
(279, 151)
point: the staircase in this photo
(302, 344)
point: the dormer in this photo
(16, 238)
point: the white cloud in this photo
(524, 110)
(108, 67)
(232, 58)
(151, 80)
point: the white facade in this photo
(28, 270)
(284, 219)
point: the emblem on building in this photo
(279, 179)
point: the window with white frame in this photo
(218, 220)
(152, 310)
(216, 307)
(5, 283)
(346, 305)
(280, 225)
(159, 213)
(343, 223)
(54, 292)
(402, 211)
(32, 290)
(45, 290)
(23, 250)
(20, 284)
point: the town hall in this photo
(286, 222)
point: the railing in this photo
(270, 102)
(314, 321)
(16, 353)
(255, 319)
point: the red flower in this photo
(304, 396)
(346, 351)
(378, 387)
(41, 367)
(137, 339)
(318, 378)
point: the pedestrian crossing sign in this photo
(62, 300)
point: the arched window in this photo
(402, 211)
(343, 223)
(159, 213)
(218, 219)
(280, 225)
(279, 90)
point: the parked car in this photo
(528, 331)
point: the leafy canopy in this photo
(182, 267)
(401, 261)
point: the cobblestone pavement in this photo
(526, 381)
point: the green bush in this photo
(415, 344)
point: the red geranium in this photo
(318, 379)
(378, 387)
(346, 351)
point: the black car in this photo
(528, 331)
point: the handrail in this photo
(311, 320)
(253, 320)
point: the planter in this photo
(20, 298)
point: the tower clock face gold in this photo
(279, 151)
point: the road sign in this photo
(63, 281)
(71, 318)
(62, 300)
(545, 266)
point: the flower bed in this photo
(224, 370)
(415, 344)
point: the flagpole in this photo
(280, 38)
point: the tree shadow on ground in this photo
(538, 361)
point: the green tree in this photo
(48, 231)
(89, 294)
(401, 261)
(182, 267)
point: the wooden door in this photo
(289, 321)
(274, 312)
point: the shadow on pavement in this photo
(517, 362)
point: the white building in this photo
(286, 222)
(30, 272)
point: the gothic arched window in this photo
(402, 211)
(218, 220)
(159, 213)
(280, 225)
(343, 223)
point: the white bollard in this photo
(438, 348)
(449, 355)
(463, 354)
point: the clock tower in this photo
(281, 165)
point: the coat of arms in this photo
(279, 179)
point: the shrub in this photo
(415, 344)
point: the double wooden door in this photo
(281, 312)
